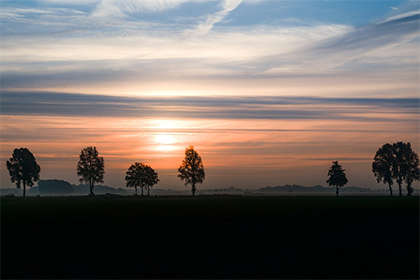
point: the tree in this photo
(337, 176)
(141, 175)
(413, 173)
(397, 161)
(399, 169)
(23, 168)
(151, 178)
(405, 166)
(191, 170)
(383, 165)
(90, 167)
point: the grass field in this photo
(210, 236)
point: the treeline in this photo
(25, 171)
(392, 162)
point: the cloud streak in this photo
(227, 7)
(129, 7)
(123, 51)
(288, 108)
(392, 41)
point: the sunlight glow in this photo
(165, 142)
(164, 139)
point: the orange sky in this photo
(243, 153)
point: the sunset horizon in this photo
(269, 93)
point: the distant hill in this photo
(100, 189)
(10, 191)
(317, 188)
(230, 190)
(61, 187)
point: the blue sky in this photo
(272, 12)
(134, 45)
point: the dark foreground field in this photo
(213, 236)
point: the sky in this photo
(269, 92)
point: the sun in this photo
(164, 142)
(164, 139)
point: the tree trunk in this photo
(399, 186)
(409, 190)
(136, 190)
(148, 191)
(24, 189)
(193, 189)
(141, 191)
(336, 191)
(390, 189)
(91, 188)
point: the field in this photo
(210, 236)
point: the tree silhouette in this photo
(397, 161)
(151, 178)
(141, 175)
(23, 168)
(413, 172)
(383, 165)
(406, 166)
(337, 177)
(90, 167)
(400, 167)
(191, 170)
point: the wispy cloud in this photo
(129, 7)
(227, 6)
(402, 15)
(359, 109)
(382, 43)
(393, 29)
(55, 46)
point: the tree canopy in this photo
(383, 164)
(191, 170)
(23, 168)
(90, 167)
(397, 161)
(141, 175)
(337, 176)
(405, 165)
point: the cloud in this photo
(60, 104)
(390, 42)
(394, 29)
(69, 2)
(227, 7)
(127, 7)
(53, 47)
(402, 15)
(130, 7)
(50, 62)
